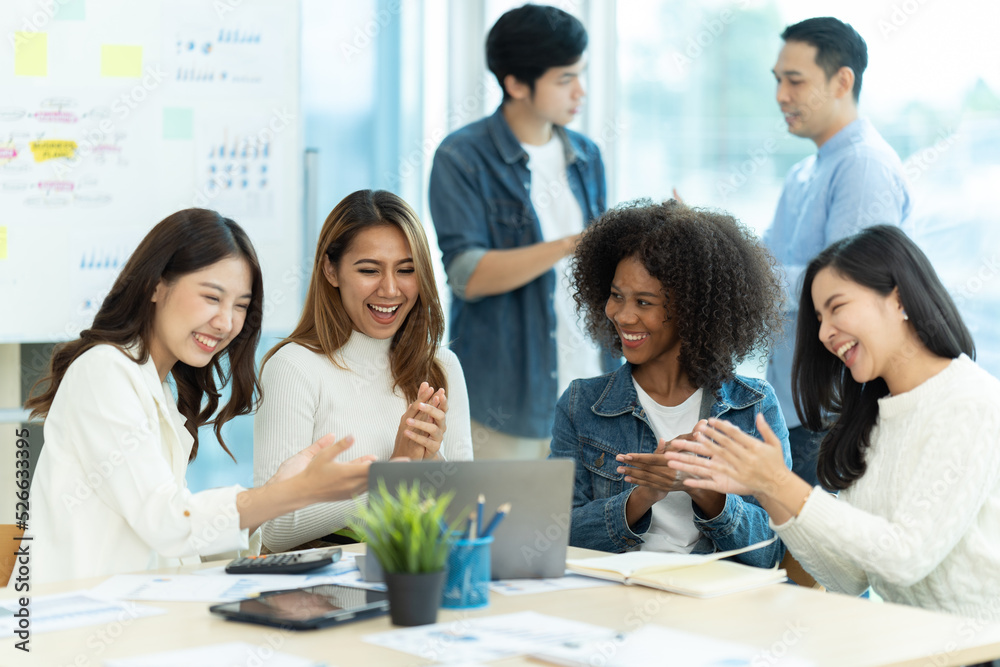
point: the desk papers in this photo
(231, 654)
(50, 613)
(487, 638)
(656, 643)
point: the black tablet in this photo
(306, 608)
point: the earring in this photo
(905, 316)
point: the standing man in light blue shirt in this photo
(855, 180)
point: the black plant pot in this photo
(414, 598)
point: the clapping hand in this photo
(422, 426)
(731, 461)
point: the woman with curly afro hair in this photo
(683, 294)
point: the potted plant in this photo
(406, 533)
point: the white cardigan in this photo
(922, 525)
(108, 494)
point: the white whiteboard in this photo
(116, 113)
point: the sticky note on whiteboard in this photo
(3, 243)
(71, 10)
(50, 149)
(178, 123)
(121, 61)
(31, 54)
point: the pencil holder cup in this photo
(467, 583)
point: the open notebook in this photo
(697, 575)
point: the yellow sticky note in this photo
(31, 54)
(49, 149)
(119, 60)
(3, 243)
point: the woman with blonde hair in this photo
(366, 350)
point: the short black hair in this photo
(529, 40)
(719, 282)
(837, 45)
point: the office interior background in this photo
(680, 95)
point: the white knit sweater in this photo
(922, 526)
(305, 396)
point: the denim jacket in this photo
(599, 418)
(480, 201)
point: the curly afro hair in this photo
(719, 282)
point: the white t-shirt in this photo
(560, 215)
(672, 526)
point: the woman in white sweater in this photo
(108, 493)
(364, 358)
(913, 445)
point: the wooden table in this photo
(830, 629)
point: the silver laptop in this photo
(531, 541)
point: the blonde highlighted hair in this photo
(325, 325)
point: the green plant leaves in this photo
(404, 530)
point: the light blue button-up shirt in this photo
(855, 180)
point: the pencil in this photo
(497, 518)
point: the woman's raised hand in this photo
(422, 426)
(731, 461)
(320, 476)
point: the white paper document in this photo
(673, 646)
(214, 585)
(50, 613)
(488, 638)
(231, 654)
(185, 587)
(532, 586)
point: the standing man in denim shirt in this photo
(509, 195)
(855, 180)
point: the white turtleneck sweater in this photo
(922, 525)
(305, 396)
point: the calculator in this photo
(293, 562)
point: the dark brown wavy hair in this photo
(325, 325)
(719, 282)
(182, 243)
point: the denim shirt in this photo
(480, 201)
(599, 418)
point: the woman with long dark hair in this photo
(884, 362)
(364, 359)
(108, 493)
(683, 294)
